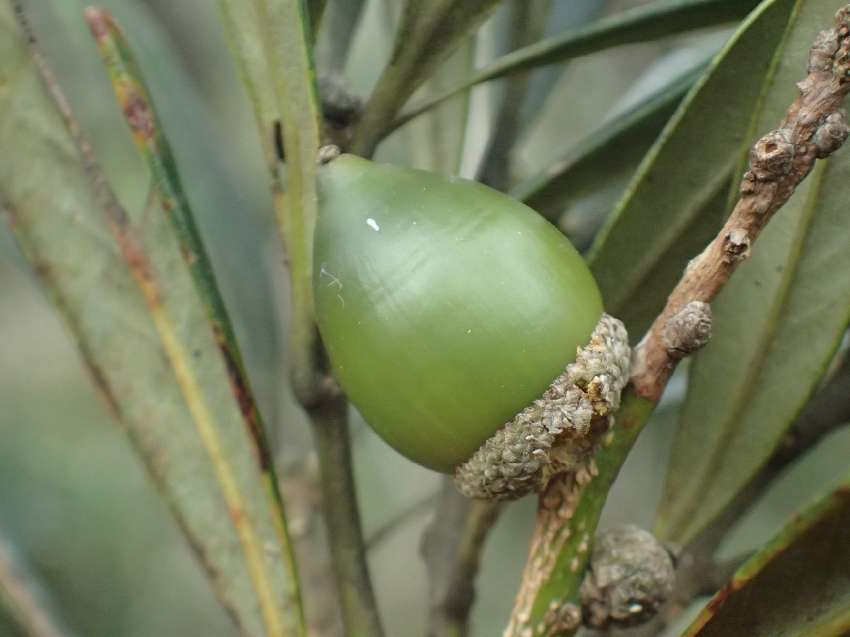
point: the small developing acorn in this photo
(447, 309)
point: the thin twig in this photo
(301, 489)
(393, 524)
(342, 520)
(25, 598)
(813, 128)
(452, 546)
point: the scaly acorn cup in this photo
(447, 309)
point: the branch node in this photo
(327, 154)
(823, 51)
(688, 330)
(736, 245)
(630, 577)
(772, 156)
(561, 618)
(831, 134)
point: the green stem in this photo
(581, 500)
(281, 80)
(342, 520)
(428, 32)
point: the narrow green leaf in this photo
(646, 301)
(341, 20)
(131, 304)
(136, 103)
(315, 13)
(798, 584)
(271, 40)
(586, 183)
(242, 27)
(428, 33)
(561, 17)
(655, 20)
(436, 142)
(776, 325)
(526, 22)
(690, 162)
(286, 42)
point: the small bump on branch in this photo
(814, 127)
(630, 577)
(327, 154)
(688, 330)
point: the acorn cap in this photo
(558, 432)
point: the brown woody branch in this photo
(813, 128)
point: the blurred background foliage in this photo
(74, 499)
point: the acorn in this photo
(464, 327)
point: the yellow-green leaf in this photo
(129, 301)
(272, 44)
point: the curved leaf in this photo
(131, 304)
(436, 142)
(799, 584)
(245, 37)
(777, 325)
(656, 20)
(680, 177)
(562, 16)
(596, 171)
(428, 33)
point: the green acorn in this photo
(447, 309)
